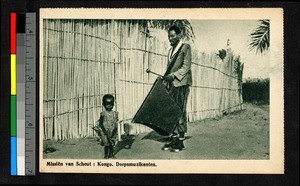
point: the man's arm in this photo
(187, 62)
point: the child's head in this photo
(108, 101)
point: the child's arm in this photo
(102, 127)
(101, 121)
(97, 128)
(115, 130)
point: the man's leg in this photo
(182, 125)
(179, 143)
(174, 140)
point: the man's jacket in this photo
(182, 65)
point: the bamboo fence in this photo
(85, 59)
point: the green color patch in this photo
(13, 115)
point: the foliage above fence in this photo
(85, 59)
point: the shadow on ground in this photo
(157, 137)
(125, 143)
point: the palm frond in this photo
(260, 38)
(184, 25)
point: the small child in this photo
(108, 123)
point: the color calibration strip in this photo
(13, 107)
(23, 94)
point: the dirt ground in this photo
(240, 135)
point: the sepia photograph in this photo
(161, 90)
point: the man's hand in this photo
(168, 78)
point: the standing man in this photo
(177, 79)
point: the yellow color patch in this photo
(13, 72)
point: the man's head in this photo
(174, 35)
(108, 101)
